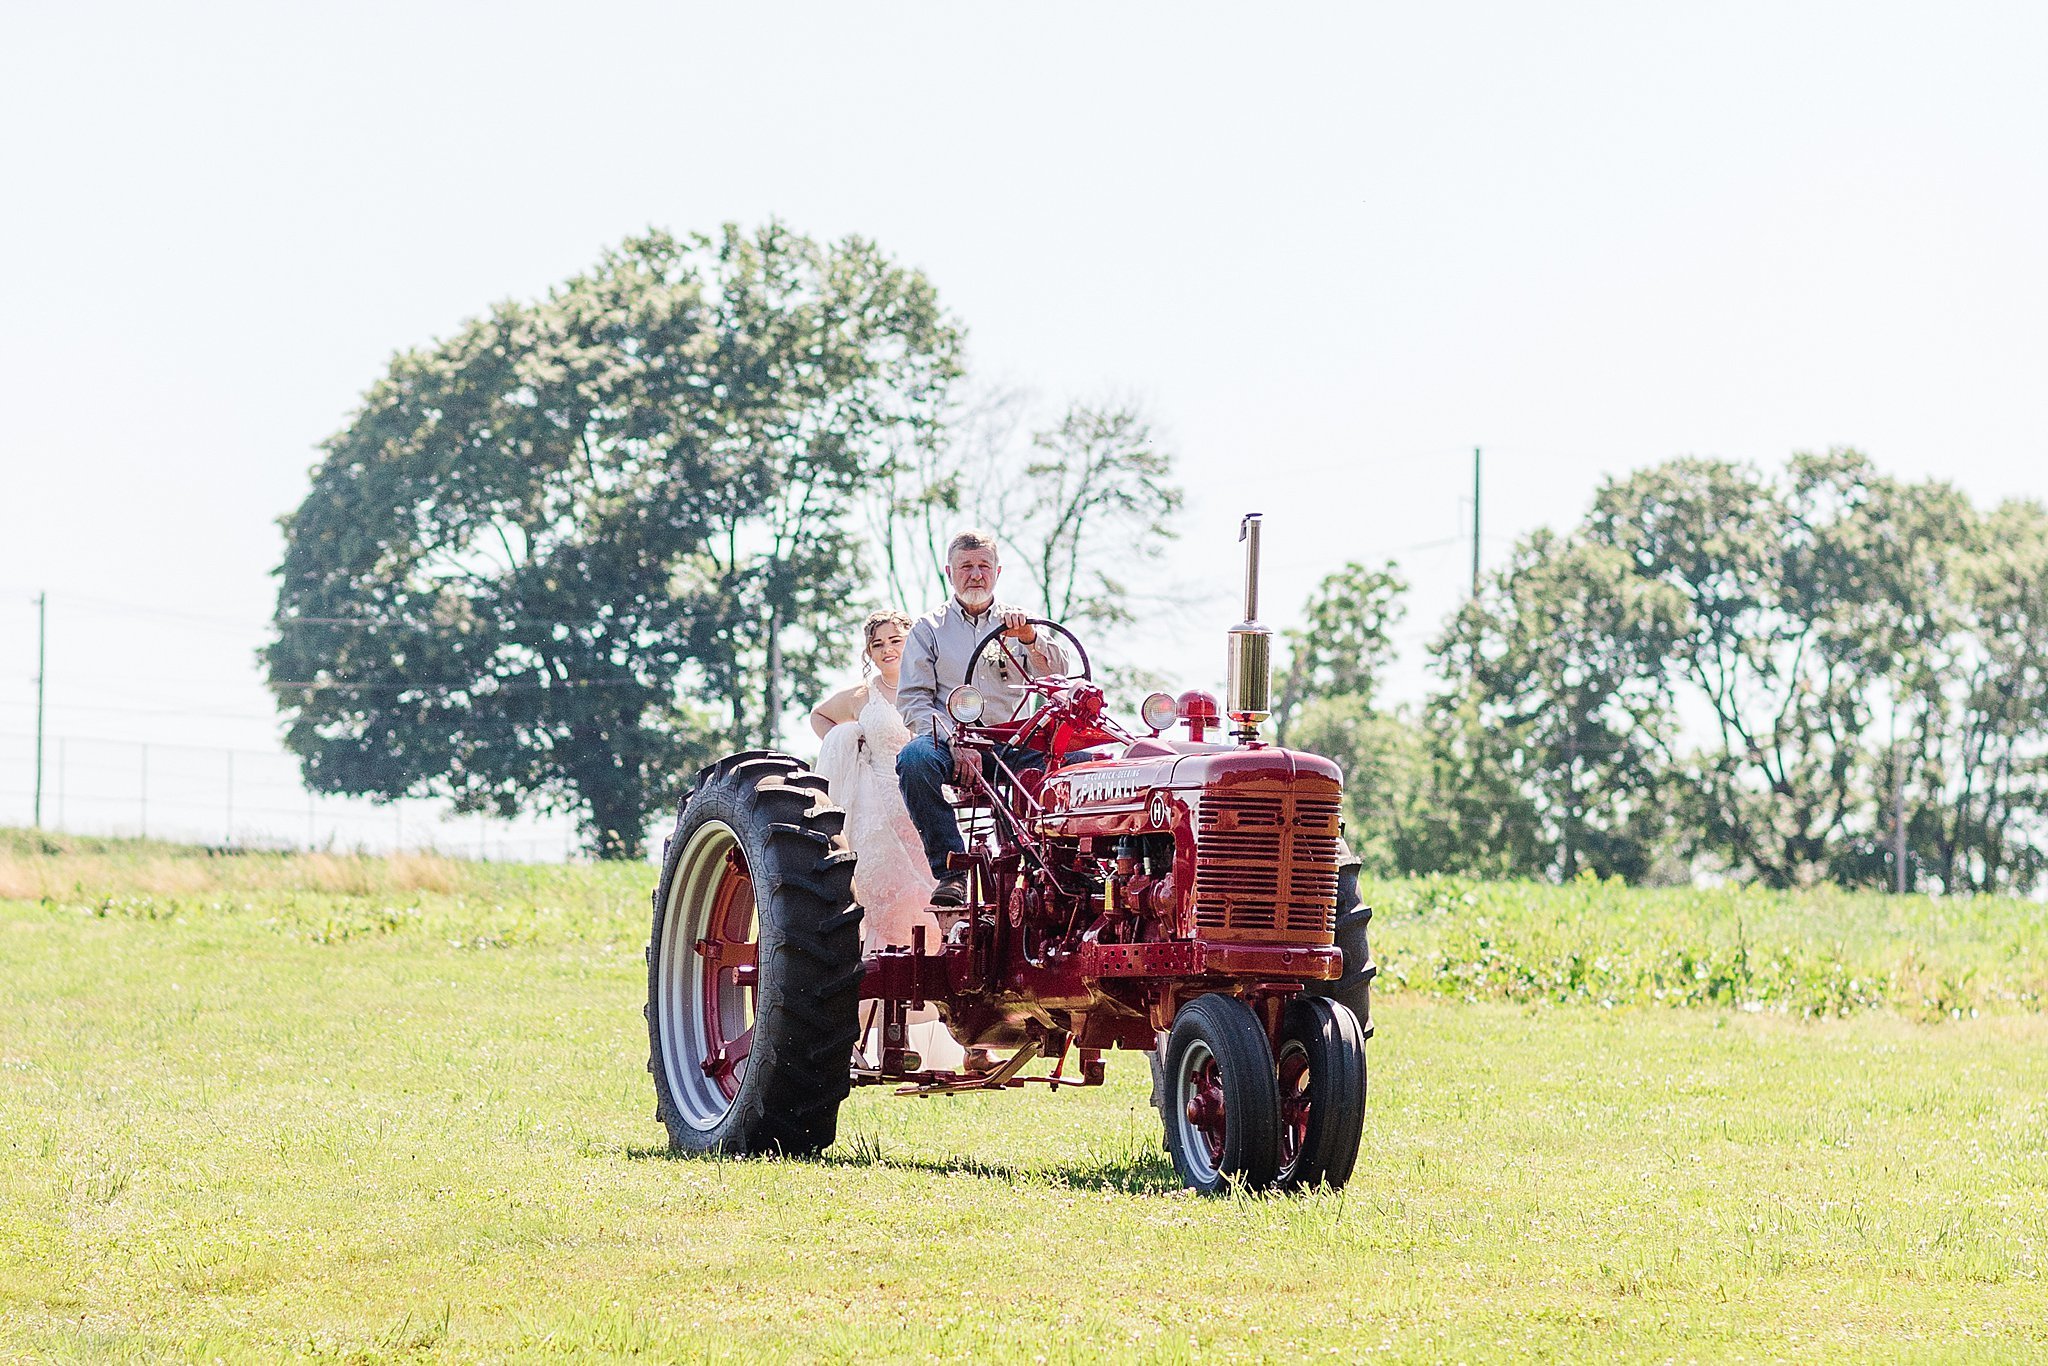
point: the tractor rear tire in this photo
(1354, 919)
(1322, 1093)
(754, 964)
(1222, 1106)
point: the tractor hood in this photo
(1107, 784)
(1221, 766)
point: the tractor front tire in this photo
(1222, 1105)
(754, 965)
(1354, 919)
(1321, 1068)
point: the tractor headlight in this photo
(1158, 711)
(964, 704)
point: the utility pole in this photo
(1569, 868)
(1898, 825)
(1475, 522)
(42, 667)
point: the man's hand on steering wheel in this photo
(1035, 655)
(1018, 625)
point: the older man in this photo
(936, 660)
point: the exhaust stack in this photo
(1248, 695)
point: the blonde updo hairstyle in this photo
(877, 619)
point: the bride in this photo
(862, 733)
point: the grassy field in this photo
(260, 1107)
(1812, 953)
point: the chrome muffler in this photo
(1248, 695)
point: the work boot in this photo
(951, 891)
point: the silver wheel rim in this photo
(1290, 1161)
(680, 984)
(1193, 1143)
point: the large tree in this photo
(1084, 507)
(555, 558)
(1098, 501)
(1963, 772)
(1557, 693)
(939, 480)
(1808, 674)
(1344, 644)
(1784, 650)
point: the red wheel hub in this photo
(1294, 1105)
(732, 969)
(1205, 1107)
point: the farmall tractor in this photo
(1186, 895)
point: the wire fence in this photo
(241, 798)
(135, 751)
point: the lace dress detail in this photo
(892, 881)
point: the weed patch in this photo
(1813, 954)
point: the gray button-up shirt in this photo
(935, 660)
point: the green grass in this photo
(254, 1108)
(1813, 953)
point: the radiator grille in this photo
(1266, 867)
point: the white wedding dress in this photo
(892, 881)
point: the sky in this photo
(1330, 249)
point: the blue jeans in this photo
(924, 766)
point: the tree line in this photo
(1815, 674)
(560, 558)
(563, 556)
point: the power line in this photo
(155, 744)
(1426, 545)
(497, 683)
(124, 608)
(153, 711)
(486, 683)
(483, 685)
(1475, 522)
(42, 671)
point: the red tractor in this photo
(1190, 897)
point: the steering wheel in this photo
(994, 649)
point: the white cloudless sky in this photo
(1331, 249)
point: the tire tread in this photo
(810, 932)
